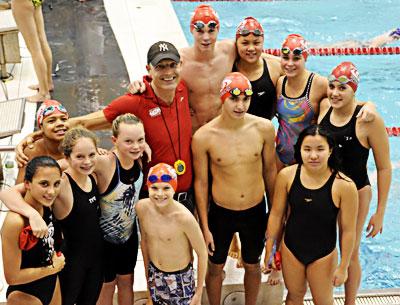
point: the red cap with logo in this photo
(345, 73)
(204, 15)
(295, 42)
(249, 25)
(235, 83)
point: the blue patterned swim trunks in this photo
(171, 288)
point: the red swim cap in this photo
(162, 172)
(47, 108)
(345, 73)
(235, 80)
(249, 25)
(296, 41)
(204, 13)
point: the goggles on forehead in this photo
(163, 178)
(343, 79)
(247, 32)
(199, 25)
(52, 108)
(295, 51)
(238, 92)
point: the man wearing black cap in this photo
(164, 110)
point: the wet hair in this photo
(73, 135)
(38, 162)
(313, 130)
(126, 118)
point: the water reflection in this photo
(91, 71)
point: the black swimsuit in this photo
(82, 277)
(354, 156)
(40, 256)
(310, 232)
(264, 95)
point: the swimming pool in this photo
(327, 22)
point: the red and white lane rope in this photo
(226, 0)
(345, 51)
(393, 131)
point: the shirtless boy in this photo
(169, 233)
(204, 65)
(239, 149)
(51, 119)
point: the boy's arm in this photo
(28, 142)
(200, 165)
(269, 162)
(143, 247)
(195, 237)
(275, 219)
(13, 199)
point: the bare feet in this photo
(38, 98)
(36, 87)
(275, 277)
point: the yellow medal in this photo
(180, 167)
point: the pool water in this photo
(326, 22)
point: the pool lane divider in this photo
(393, 131)
(344, 51)
(226, 0)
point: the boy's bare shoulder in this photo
(182, 215)
(141, 205)
(204, 132)
(264, 125)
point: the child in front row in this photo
(169, 233)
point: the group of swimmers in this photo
(287, 196)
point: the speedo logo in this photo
(155, 112)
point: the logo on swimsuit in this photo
(163, 47)
(155, 112)
(92, 200)
(261, 93)
(308, 200)
(348, 138)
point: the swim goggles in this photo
(52, 108)
(247, 32)
(238, 92)
(163, 178)
(343, 79)
(199, 25)
(295, 51)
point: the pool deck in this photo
(136, 25)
